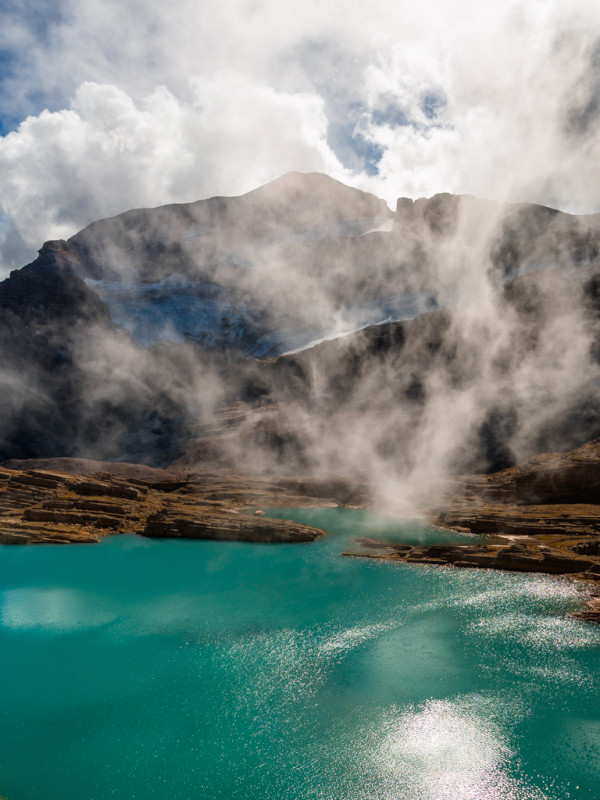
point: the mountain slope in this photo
(132, 339)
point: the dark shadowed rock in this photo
(229, 528)
(216, 274)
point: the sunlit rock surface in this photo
(86, 501)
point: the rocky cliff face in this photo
(571, 477)
(45, 312)
(138, 338)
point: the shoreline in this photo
(69, 501)
(554, 554)
(40, 506)
(543, 516)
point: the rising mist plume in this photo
(305, 327)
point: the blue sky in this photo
(113, 104)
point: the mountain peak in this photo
(317, 190)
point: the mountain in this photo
(210, 269)
(306, 326)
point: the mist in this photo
(413, 316)
(305, 328)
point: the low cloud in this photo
(61, 170)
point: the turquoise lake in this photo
(183, 670)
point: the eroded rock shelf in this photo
(41, 506)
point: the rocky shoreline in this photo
(64, 501)
(541, 516)
(506, 554)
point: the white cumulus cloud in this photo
(106, 153)
(153, 103)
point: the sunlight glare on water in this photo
(201, 670)
(449, 749)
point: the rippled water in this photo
(184, 670)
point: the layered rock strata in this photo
(41, 506)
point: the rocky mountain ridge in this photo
(478, 295)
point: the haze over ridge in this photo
(493, 355)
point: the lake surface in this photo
(186, 670)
